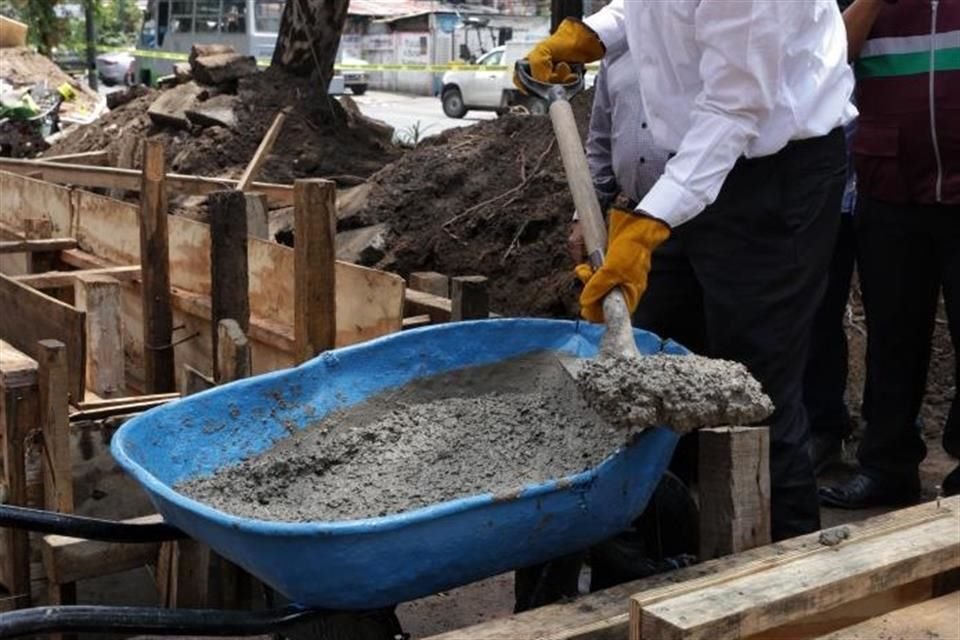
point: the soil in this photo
(685, 392)
(317, 138)
(490, 199)
(490, 429)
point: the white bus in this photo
(249, 26)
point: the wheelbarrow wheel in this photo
(381, 624)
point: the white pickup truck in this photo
(487, 85)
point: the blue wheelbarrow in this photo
(379, 562)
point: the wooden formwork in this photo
(74, 264)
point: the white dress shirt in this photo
(724, 79)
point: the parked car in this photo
(116, 67)
(482, 89)
(355, 79)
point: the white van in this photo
(487, 85)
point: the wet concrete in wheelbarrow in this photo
(489, 429)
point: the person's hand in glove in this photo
(631, 242)
(572, 42)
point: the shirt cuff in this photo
(605, 25)
(670, 202)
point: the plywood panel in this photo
(29, 316)
(22, 197)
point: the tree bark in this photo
(309, 37)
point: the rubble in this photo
(365, 246)
(205, 143)
(171, 106)
(222, 67)
(24, 68)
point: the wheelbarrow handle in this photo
(151, 620)
(63, 524)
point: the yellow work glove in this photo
(572, 42)
(631, 242)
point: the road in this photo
(406, 113)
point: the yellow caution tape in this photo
(452, 66)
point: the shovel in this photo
(627, 389)
(618, 339)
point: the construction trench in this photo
(80, 358)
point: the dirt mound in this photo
(317, 139)
(490, 199)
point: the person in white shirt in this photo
(751, 97)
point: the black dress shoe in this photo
(951, 483)
(864, 491)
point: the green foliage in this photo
(117, 23)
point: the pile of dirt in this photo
(318, 137)
(24, 68)
(491, 200)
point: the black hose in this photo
(63, 524)
(152, 620)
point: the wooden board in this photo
(38, 317)
(129, 179)
(24, 197)
(604, 615)
(796, 588)
(45, 245)
(67, 559)
(937, 618)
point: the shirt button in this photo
(642, 160)
(643, 125)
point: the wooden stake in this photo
(55, 426)
(19, 413)
(262, 151)
(37, 229)
(229, 277)
(430, 282)
(233, 357)
(155, 269)
(315, 220)
(734, 490)
(469, 298)
(99, 297)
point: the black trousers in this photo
(825, 381)
(908, 254)
(761, 253)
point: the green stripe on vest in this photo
(906, 64)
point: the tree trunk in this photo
(309, 37)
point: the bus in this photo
(171, 27)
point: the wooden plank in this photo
(823, 579)
(604, 615)
(99, 158)
(55, 426)
(420, 303)
(19, 415)
(279, 195)
(430, 282)
(124, 406)
(233, 357)
(99, 297)
(37, 229)
(412, 322)
(183, 574)
(315, 323)
(937, 618)
(734, 467)
(65, 279)
(67, 559)
(852, 613)
(263, 150)
(258, 215)
(229, 271)
(468, 298)
(37, 246)
(38, 317)
(155, 271)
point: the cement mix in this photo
(684, 392)
(478, 430)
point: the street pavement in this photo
(406, 112)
